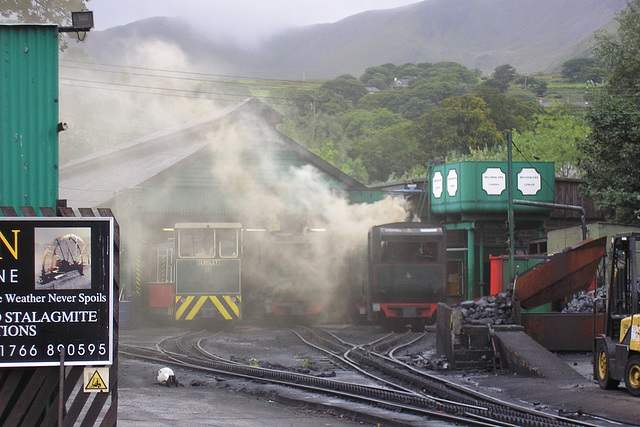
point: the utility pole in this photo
(512, 269)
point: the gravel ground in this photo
(204, 401)
(215, 401)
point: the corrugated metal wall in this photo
(568, 192)
(28, 115)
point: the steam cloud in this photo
(291, 202)
(285, 200)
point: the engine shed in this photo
(231, 166)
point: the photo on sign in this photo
(62, 258)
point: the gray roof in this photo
(95, 179)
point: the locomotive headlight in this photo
(182, 300)
(234, 299)
(375, 306)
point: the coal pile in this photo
(583, 303)
(489, 310)
(430, 362)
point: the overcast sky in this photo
(245, 20)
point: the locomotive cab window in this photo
(228, 243)
(196, 243)
(409, 251)
(428, 250)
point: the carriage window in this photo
(228, 243)
(196, 243)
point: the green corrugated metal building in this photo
(28, 115)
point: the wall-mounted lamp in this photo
(62, 126)
(80, 21)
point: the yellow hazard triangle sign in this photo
(96, 380)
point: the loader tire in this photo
(602, 369)
(632, 375)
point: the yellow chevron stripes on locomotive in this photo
(187, 307)
(232, 305)
(196, 308)
(163, 269)
(181, 307)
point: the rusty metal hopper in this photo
(565, 273)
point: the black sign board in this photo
(56, 291)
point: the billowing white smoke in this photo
(315, 244)
(129, 96)
(286, 201)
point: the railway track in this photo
(449, 396)
(398, 386)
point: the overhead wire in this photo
(195, 73)
(174, 75)
(180, 76)
(149, 76)
(172, 91)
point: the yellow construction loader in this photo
(617, 349)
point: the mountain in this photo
(530, 35)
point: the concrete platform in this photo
(521, 354)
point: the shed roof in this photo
(94, 180)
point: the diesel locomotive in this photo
(407, 273)
(198, 273)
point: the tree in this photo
(540, 88)
(436, 90)
(376, 77)
(377, 139)
(508, 112)
(610, 156)
(619, 53)
(311, 120)
(460, 124)
(347, 86)
(415, 106)
(429, 84)
(41, 11)
(389, 151)
(339, 159)
(44, 12)
(359, 123)
(392, 100)
(449, 71)
(554, 137)
(581, 70)
(503, 75)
